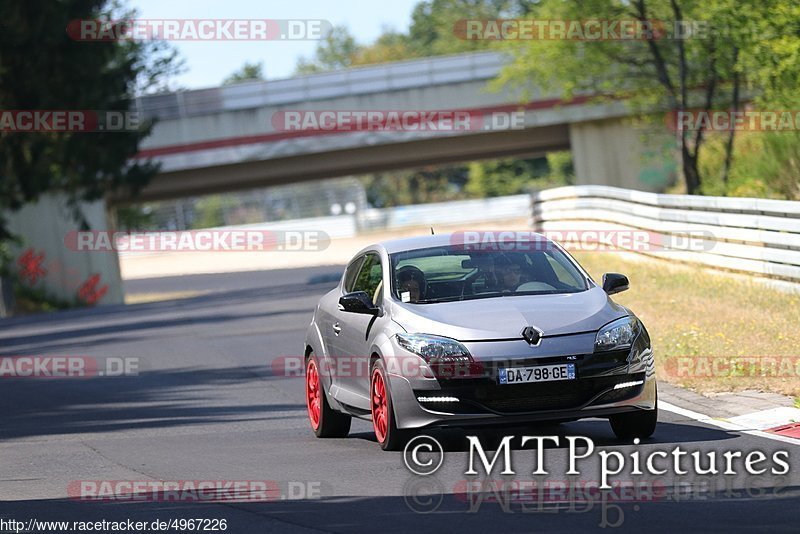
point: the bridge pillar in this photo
(617, 153)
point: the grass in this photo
(693, 313)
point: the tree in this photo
(42, 68)
(494, 178)
(431, 33)
(247, 73)
(390, 46)
(433, 23)
(660, 71)
(335, 51)
(430, 184)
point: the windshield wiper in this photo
(456, 298)
(434, 301)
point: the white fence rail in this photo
(447, 213)
(755, 236)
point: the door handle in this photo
(336, 328)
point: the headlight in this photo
(434, 348)
(617, 335)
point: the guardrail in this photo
(756, 236)
(483, 210)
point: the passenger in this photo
(485, 265)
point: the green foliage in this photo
(767, 165)
(390, 46)
(753, 46)
(247, 73)
(433, 21)
(398, 188)
(7, 248)
(29, 299)
(514, 176)
(431, 33)
(771, 56)
(210, 211)
(336, 51)
(133, 218)
(561, 170)
(64, 74)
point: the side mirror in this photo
(615, 283)
(358, 302)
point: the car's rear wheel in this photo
(389, 437)
(325, 421)
(639, 424)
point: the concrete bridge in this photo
(234, 137)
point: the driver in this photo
(508, 274)
(412, 281)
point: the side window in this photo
(350, 274)
(370, 276)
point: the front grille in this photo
(559, 395)
(519, 398)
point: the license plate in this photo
(540, 373)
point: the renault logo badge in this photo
(532, 335)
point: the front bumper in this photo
(602, 388)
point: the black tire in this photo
(330, 423)
(639, 424)
(394, 439)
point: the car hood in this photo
(505, 317)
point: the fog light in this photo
(437, 399)
(629, 384)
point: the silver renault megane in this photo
(439, 331)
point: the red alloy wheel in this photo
(380, 406)
(313, 399)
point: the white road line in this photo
(722, 423)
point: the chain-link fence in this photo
(310, 199)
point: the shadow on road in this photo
(156, 399)
(599, 431)
(137, 317)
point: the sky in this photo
(209, 62)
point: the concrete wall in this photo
(43, 227)
(615, 152)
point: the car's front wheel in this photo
(389, 437)
(325, 421)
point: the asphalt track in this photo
(207, 406)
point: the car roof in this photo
(427, 241)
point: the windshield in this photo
(449, 273)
